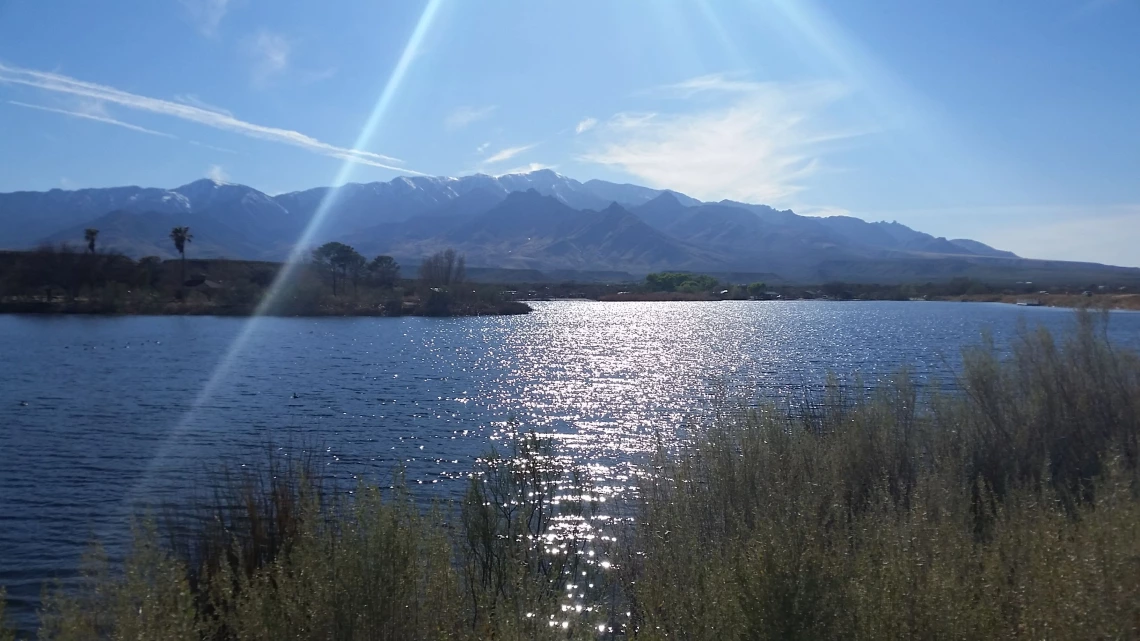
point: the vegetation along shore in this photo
(685, 286)
(1007, 508)
(335, 281)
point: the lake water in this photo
(97, 413)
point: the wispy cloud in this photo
(483, 147)
(87, 115)
(270, 56)
(217, 174)
(731, 138)
(194, 101)
(58, 83)
(586, 125)
(206, 14)
(507, 154)
(821, 211)
(527, 168)
(460, 117)
(720, 82)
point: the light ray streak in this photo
(296, 256)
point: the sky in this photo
(1016, 123)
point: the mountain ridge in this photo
(536, 220)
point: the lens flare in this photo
(296, 255)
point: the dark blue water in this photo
(98, 414)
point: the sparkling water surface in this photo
(101, 413)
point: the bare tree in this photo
(443, 269)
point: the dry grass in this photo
(6, 633)
(1009, 511)
(274, 553)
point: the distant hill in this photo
(540, 221)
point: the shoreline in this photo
(40, 308)
(1125, 302)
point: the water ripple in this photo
(86, 403)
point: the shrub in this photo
(6, 633)
(1008, 510)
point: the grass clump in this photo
(526, 548)
(276, 553)
(6, 633)
(1008, 510)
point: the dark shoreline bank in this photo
(504, 308)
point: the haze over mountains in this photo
(536, 221)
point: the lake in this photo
(98, 414)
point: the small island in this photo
(336, 280)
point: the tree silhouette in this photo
(443, 268)
(339, 260)
(181, 236)
(385, 271)
(89, 235)
(354, 266)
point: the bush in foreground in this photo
(278, 554)
(1008, 510)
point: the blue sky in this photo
(1016, 123)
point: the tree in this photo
(680, 281)
(323, 259)
(338, 260)
(354, 266)
(149, 268)
(89, 235)
(443, 269)
(181, 236)
(384, 270)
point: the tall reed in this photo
(1008, 510)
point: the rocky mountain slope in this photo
(540, 220)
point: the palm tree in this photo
(90, 235)
(181, 236)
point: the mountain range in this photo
(534, 221)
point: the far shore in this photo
(1074, 301)
(196, 308)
